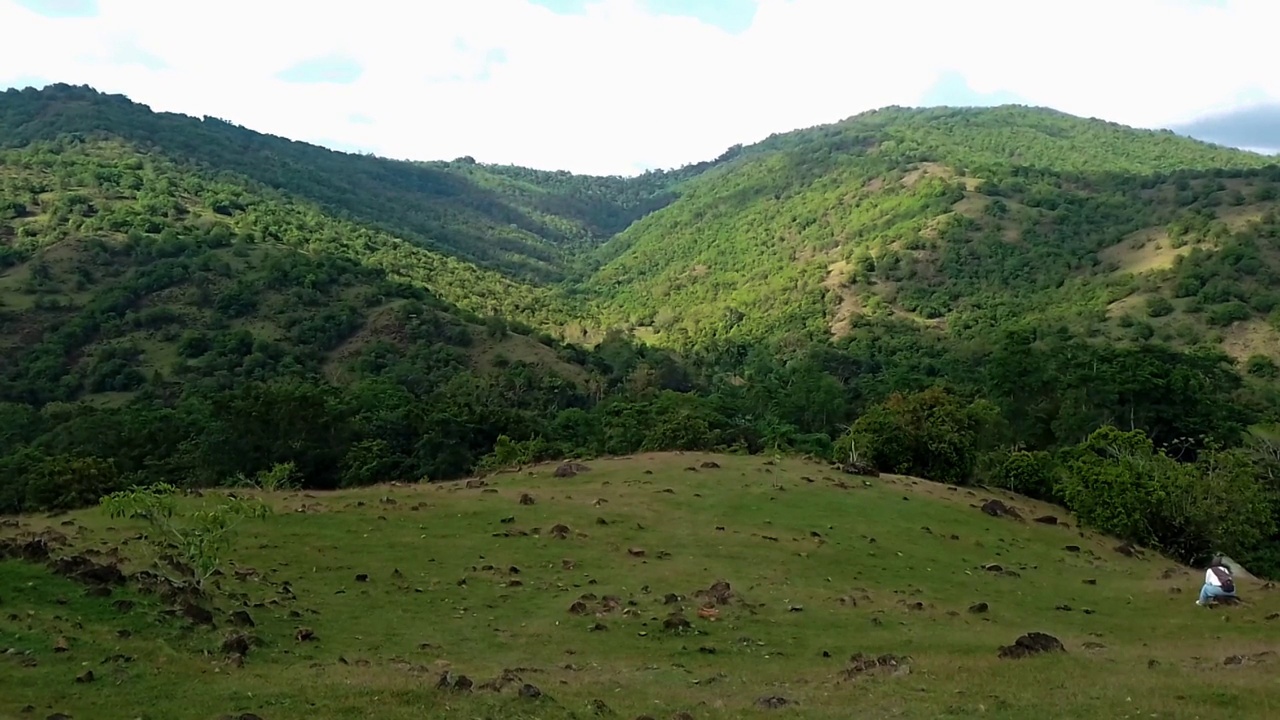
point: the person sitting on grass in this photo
(1217, 583)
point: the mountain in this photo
(960, 219)
(970, 295)
(523, 222)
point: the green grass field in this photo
(821, 566)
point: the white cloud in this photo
(617, 89)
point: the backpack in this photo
(1224, 577)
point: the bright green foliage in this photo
(281, 476)
(930, 434)
(1031, 473)
(977, 216)
(197, 538)
(1120, 483)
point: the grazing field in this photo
(668, 586)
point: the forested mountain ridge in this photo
(523, 222)
(957, 218)
(958, 294)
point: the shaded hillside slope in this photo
(125, 270)
(958, 218)
(522, 222)
(637, 588)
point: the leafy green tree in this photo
(1159, 306)
(198, 539)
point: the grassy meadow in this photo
(575, 606)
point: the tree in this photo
(196, 538)
(1120, 483)
(1159, 306)
(1261, 366)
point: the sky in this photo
(621, 86)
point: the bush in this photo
(932, 434)
(1261, 366)
(1159, 306)
(1027, 473)
(1120, 484)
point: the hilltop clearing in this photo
(669, 585)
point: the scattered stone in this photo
(1031, 644)
(362, 577)
(236, 644)
(85, 677)
(1064, 607)
(979, 608)
(81, 568)
(996, 508)
(1091, 645)
(1047, 520)
(993, 567)
(601, 521)
(773, 702)
(598, 627)
(1091, 581)
(636, 552)
(530, 692)
(570, 469)
(197, 614)
(61, 645)
(862, 664)
(475, 484)
(568, 564)
(1128, 550)
(720, 593)
(858, 468)
(710, 465)
(456, 683)
(560, 532)
(600, 708)
(527, 499)
(579, 608)
(508, 520)
(305, 634)
(1072, 548)
(670, 599)
(1273, 616)
(676, 623)
(1153, 664)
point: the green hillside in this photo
(1074, 310)
(523, 222)
(661, 586)
(960, 219)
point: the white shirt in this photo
(1212, 579)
